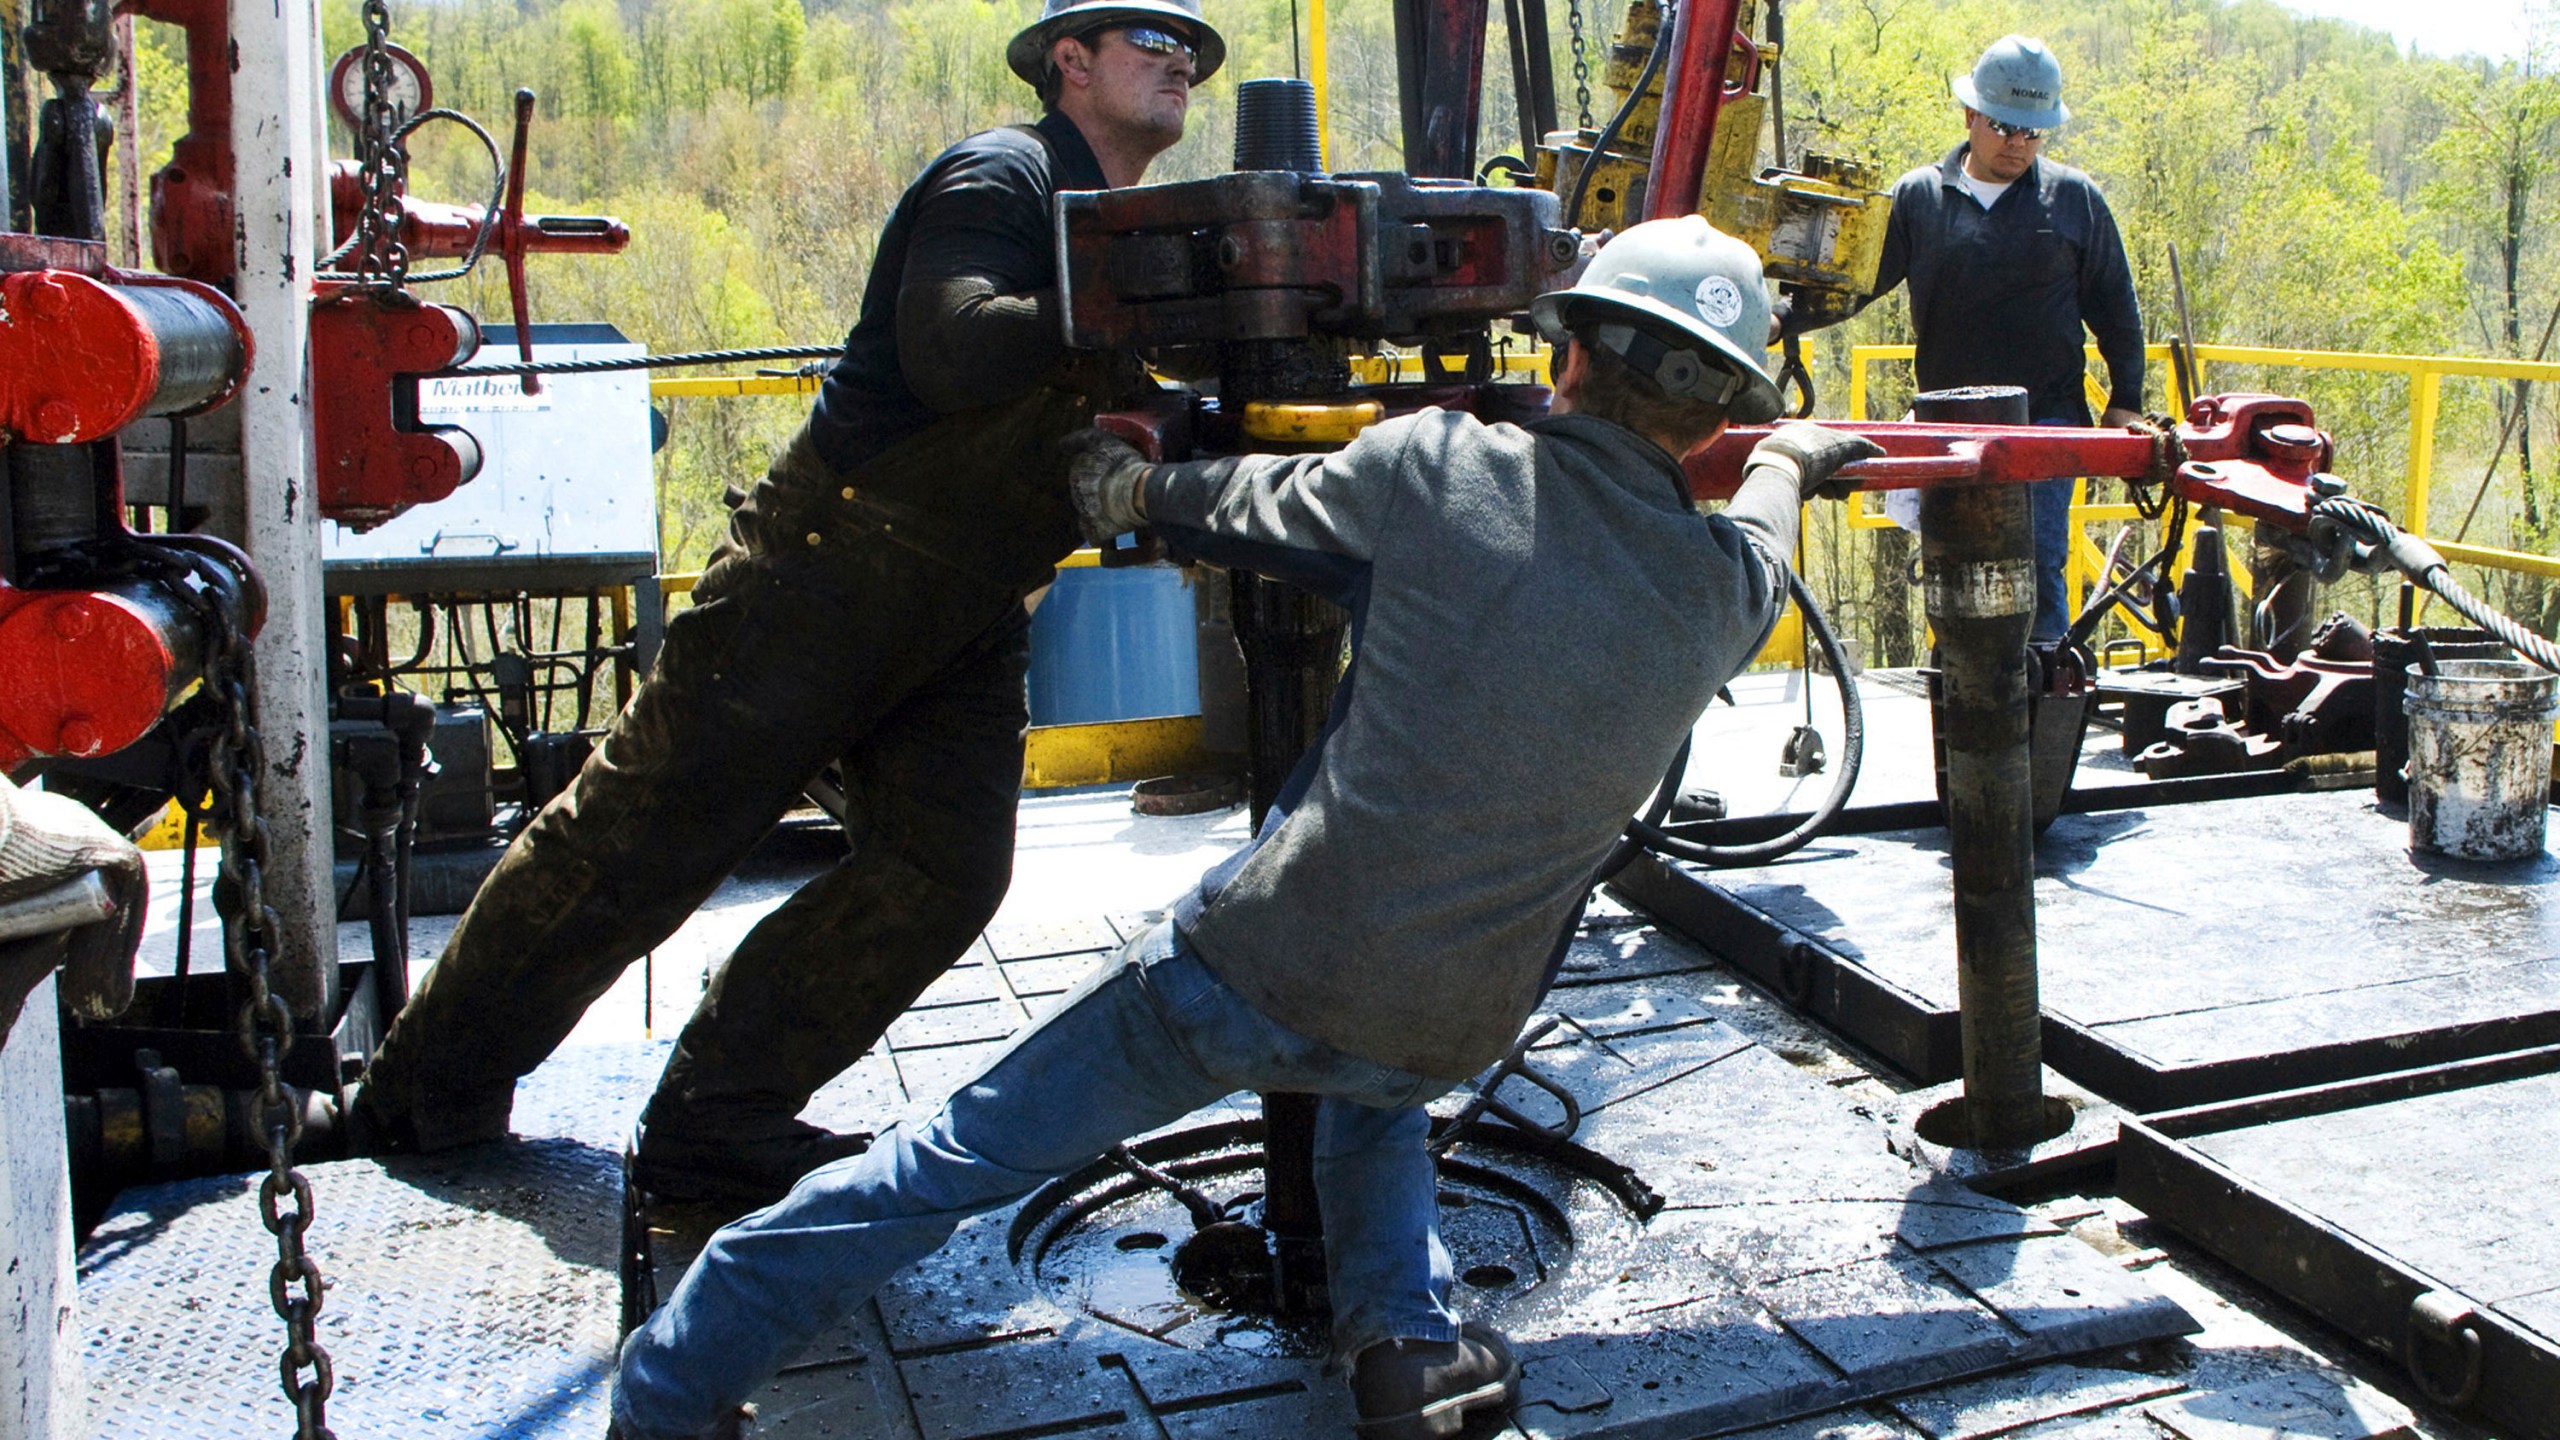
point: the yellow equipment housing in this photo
(1819, 231)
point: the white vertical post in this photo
(276, 134)
(42, 1394)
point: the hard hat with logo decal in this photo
(1682, 303)
(2016, 82)
(1029, 52)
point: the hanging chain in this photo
(381, 260)
(249, 929)
(1581, 62)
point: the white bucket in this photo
(2480, 758)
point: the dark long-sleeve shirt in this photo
(1540, 617)
(960, 310)
(1999, 296)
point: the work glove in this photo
(45, 841)
(1812, 455)
(1103, 472)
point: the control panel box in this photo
(566, 492)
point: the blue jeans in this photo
(1147, 1040)
(2053, 549)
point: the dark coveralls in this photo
(1999, 297)
(866, 606)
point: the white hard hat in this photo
(1685, 305)
(1028, 54)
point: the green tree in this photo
(2489, 167)
(591, 71)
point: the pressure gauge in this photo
(411, 93)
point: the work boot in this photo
(689, 1167)
(1426, 1389)
(740, 1426)
(373, 1128)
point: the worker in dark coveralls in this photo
(866, 606)
(1539, 615)
(2009, 256)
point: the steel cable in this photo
(650, 362)
(2420, 562)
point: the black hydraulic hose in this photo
(1645, 832)
(1618, 122)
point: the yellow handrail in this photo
(720, 387)
(1367, 369)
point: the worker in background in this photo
(2009, 256)
(1540, 614)
(865, 607)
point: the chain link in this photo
(381, 260)
(1581, 62)
(250, 927)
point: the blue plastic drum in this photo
(1114, 645)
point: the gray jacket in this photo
(1540, 617)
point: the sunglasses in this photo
(2007, 131)
(1151, 40)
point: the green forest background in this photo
(2324, 191)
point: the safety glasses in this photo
(2007, 131)
(1157, 42)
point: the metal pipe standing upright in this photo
(1977, 544)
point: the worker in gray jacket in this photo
(1540, 614)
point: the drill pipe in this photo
(1978, 553)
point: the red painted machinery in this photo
(374, 341)
(2256, 455)
(101, 630)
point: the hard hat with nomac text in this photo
(2016, 82)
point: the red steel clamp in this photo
(2254, 455)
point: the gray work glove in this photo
(46, 840)
(1813, 455)
(1103, 472)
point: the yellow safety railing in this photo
(722, 387)
(1091, 754)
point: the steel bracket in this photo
(2445, 1323)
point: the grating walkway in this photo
(1797, 1267)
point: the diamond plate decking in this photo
(1798, 1266)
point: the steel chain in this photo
(1581, 62)
(381, 259)
(250, 927)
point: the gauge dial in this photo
(410, 95)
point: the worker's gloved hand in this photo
(48, 841)
(1813, 455)
(1103, 474)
